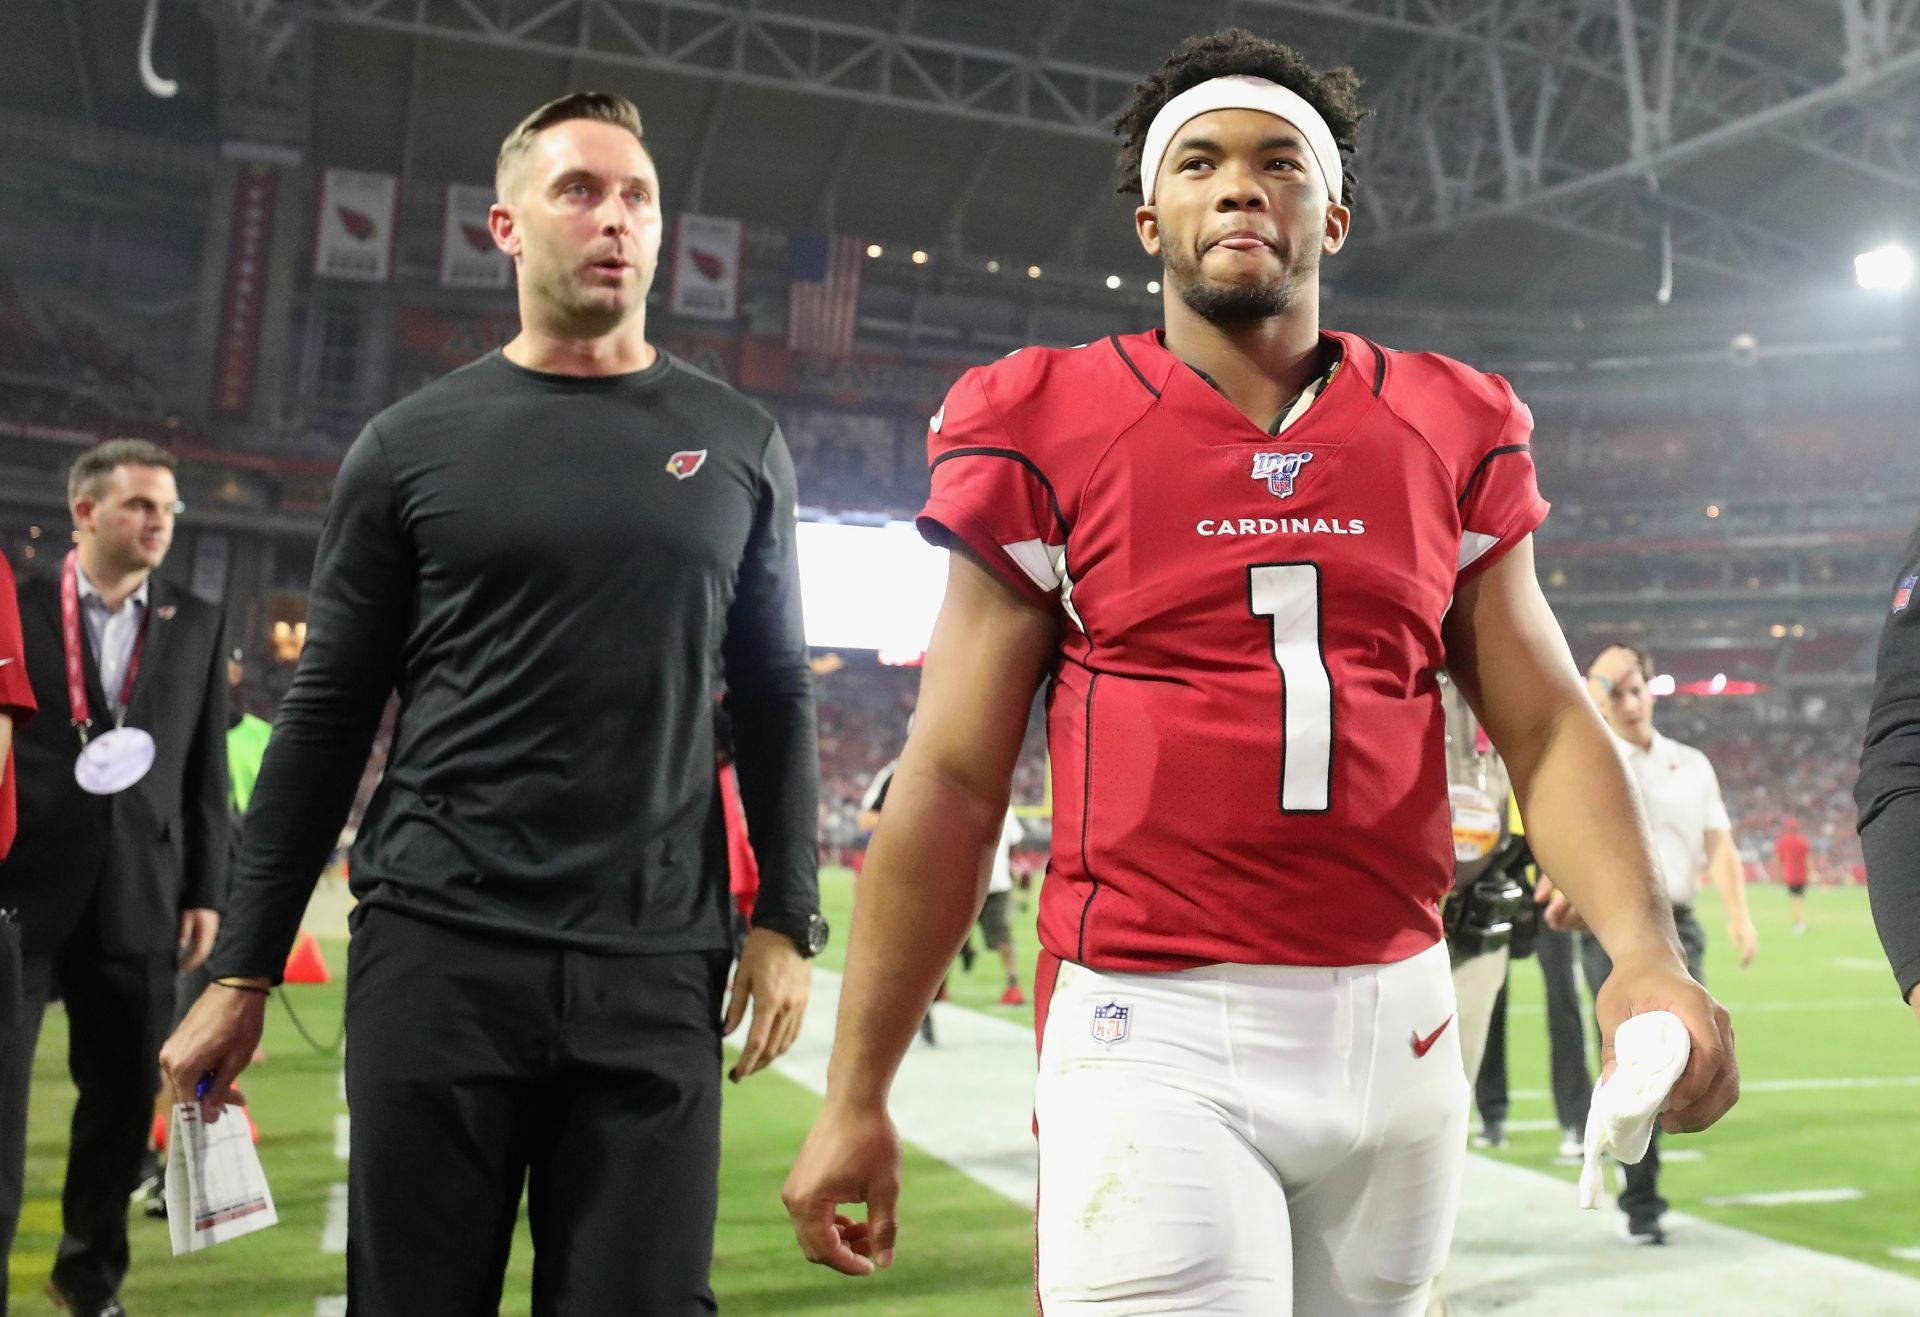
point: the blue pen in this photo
(200, 1088)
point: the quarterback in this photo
(1237, 549)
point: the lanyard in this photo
(70, 636)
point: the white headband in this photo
(1240, 93)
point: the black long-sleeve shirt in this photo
(1888, 792)
(555, 573)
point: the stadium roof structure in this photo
(1525, 153)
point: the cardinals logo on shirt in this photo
(1112, 1021)
(1279, 470)
(685, 463)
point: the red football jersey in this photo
(1243, 716)
(743, 866)
(16, 698)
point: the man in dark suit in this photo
(115, 884)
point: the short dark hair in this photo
(1644, 659)
(92, 469)
(1234, 51)
(600, 106)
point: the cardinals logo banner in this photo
(353, 235)
(707, 252)
(468, 258)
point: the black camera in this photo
(1496, 908)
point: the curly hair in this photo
(1335, 93)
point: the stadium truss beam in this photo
(1534, 137)
(826, 210)
(265, 63)
(82, 69)
(1503, 109)
(1044, 43)
(1678, 110)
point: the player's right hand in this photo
(852, 1155)
(217, 1038)
(1710, 1084)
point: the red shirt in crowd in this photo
(1791, 851)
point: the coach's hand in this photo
(217, 1038)
(1745, 938)
(852, 1155)
(198, 929)
(775, 977)
(1559, 913)
(1710, 1084)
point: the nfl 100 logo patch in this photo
(1112, 1021)
(1904, 595)
(1279, 470)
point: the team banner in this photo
(468, 257)
(243, 302)
(708, 254)
(353, 236)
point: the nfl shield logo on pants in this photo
(1110, 1022)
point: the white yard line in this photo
(1888, 1002)
(1749, 1087)
(1522, 1249)
(1786, 1198)
(1808, 1085)
(333, 1235)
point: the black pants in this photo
(1490, 1086)
(1566, 1032)
(477, 1065)
(117, 1011)
(1641, 1200)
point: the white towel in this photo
(1650, 1052)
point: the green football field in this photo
(1830, 1074)
(1814, 1010)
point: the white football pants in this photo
(1249, 1141)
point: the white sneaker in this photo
(1571, 1144)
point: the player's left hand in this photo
(1746, 939)
(775, 977)
(1710, 1084)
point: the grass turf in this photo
(1820, 1006)
(1816, 1007)
(965, 1250)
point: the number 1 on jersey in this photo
(1288, 596)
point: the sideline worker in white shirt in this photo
(1692, 836)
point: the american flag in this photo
(823, 300)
